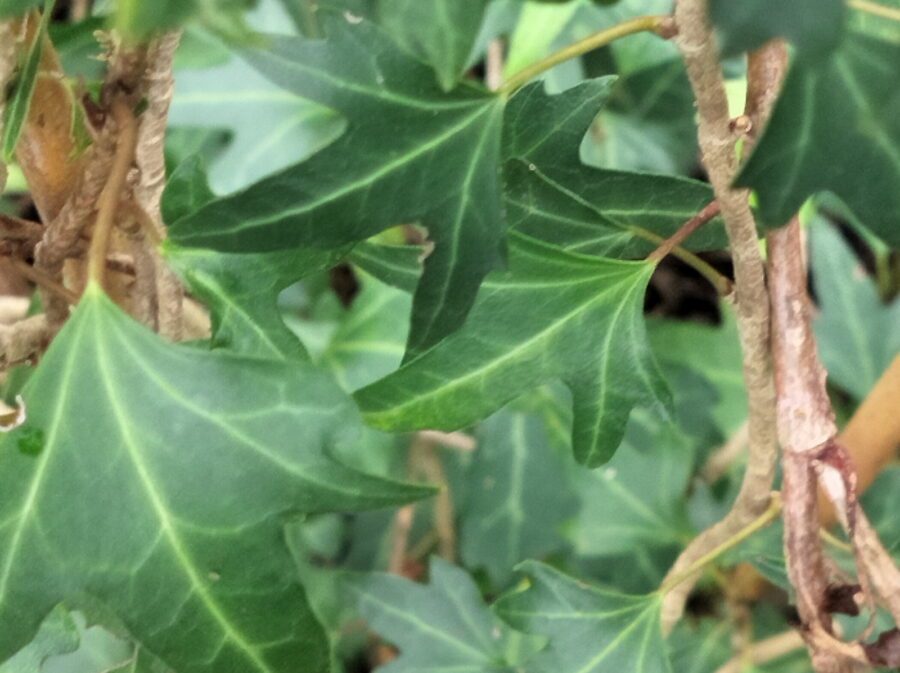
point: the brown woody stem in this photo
(717, 144)
(707, 213)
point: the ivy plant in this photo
(449, 335)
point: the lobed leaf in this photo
(553, 315)
(836, 128)
(439, 627)
(591, 629)
(518, 495)
(182, 482)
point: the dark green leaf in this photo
(591, 630)
(552, 196)
(184, 465)
(442, 32)
(397, 265)
(858, 335)
(814, 26)
(836, 127)
(518, 497)
(409, 141)
(552, 315)
(440, 627)
(241, 291)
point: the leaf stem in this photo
(659, 24)
(875, 9)
(44, 280)
(760, 522)
(109, 199)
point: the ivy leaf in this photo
(410, 142)
(637, 499)
(814, 26)
(203, 581)
(858, 335)
(518, 496)
(442, 32)
(552, 315)
(240, 290)
(551, 195)
(836, 127)
(440, 627)
(368, 342)
(58, 634)
(591, 629)
(270, 128)
(397, 265)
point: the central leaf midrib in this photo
(543, 334)
(160, 509)
(360, 183)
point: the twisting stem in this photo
(44, 281)
(658, 24)
(717, 144)
(760, 522)
(112, 193)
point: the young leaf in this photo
(858, 335)
(182, 482)
(517, 498)
(439, 627)
(442, 32)
(591, 630)
(835, 128)
(552, 315)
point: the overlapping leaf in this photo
(442, 32)
(182, 481)
(591, 630)
(518, 496)
(418, 154)
(552, 196)
(858, 335)
(412, 142)
(836, 127)
(814, 26)
(240, 290)
(440, 627)
(553, 315)
(637, 499)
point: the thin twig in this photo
(717, 143)
(722, 459)
(707, 213)
(661, 25)
(764, 651)
(760, 522)
(493, 67)
(44, 281)
(110, 197)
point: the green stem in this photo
(763, 520)
(721, 283)
(654, 23)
